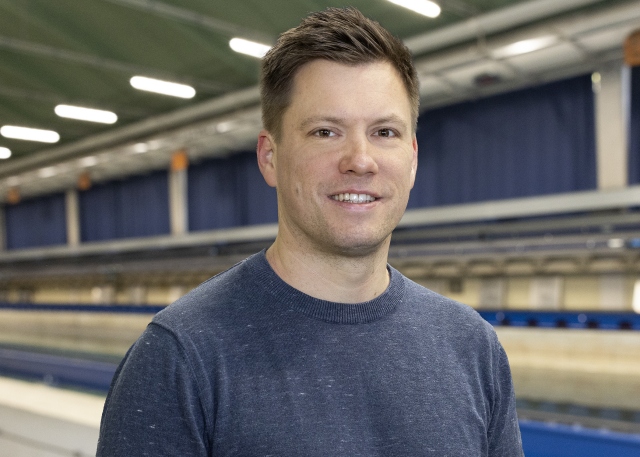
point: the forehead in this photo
(326, 85)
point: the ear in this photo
(266, 157)
(414, 162)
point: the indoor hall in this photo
(525, 206)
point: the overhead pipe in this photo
(493, 22)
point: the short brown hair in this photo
(342, 35)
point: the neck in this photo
(332, 277)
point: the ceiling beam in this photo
(459, 7)
(493, 22)
(195, 18)
(162, 123)
(65, 55)
(47, 97)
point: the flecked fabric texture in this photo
(246, 365)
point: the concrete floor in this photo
(42, 421)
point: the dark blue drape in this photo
(634, 128)
(213, 194)
(229, 192)
(260, 200)
(133, 207)
(36, 222)
(529, 142)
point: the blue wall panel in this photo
(134, 207)
(530, 142)
(634, 128)
(36, 222)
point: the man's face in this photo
(346, 159)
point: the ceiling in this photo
(84, 53)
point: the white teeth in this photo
(353, 198)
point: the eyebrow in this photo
(392, 118)
(319, 120)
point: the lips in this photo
(354, 198)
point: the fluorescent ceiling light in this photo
(29, 134)
(13, 181)
(86, 114)
(524, 46)
(5, 153)
(424, 7)
(162, 87)
(226, 126)
(250, 48)
(140, 148)
(47, 172)
(89, 161)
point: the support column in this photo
(73, 218)
(178, 198)
(612, 95)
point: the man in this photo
(317, 347)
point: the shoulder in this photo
(447, 315)
(213, 300)
(439, 306)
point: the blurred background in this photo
(128, 176)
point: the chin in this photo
(359, 247)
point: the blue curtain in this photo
(36, 222)
(133, 207)
(229, 192)
(259, 200)
(213, 194)
(634, 128)
(529, 142)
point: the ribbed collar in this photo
(339, 313)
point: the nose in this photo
(357, 158)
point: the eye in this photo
(386, 133)
(324, 133)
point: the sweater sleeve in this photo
(153, 406)
(504, 432)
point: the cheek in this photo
(400, 170)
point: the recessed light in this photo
(524, 46)
(139, 148)
(14, 181)
(250, 48)
(226, 126)
(89, 161)
(5, 153)
(47, 172)
(86, 114)
(424, 7)
(29, 134)
(162, 87)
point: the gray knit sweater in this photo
(246, 365)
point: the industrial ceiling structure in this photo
(86, 53)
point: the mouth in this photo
(354, 198)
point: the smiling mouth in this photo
(354, 198)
